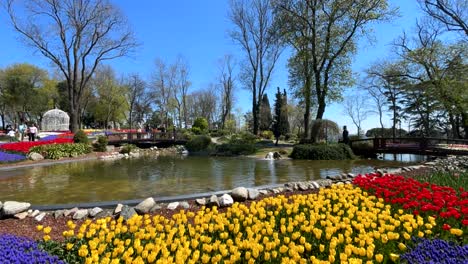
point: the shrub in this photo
(219, 133)
(127, 148)
(196, 131)
(100, 144)
(80, 137)
(235, 148)
(240, 144)
(201, 123)
(267, 134)
(282, 137)
(198, 143)
(57, 151)
(322, 152)
(187, 134)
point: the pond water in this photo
(92, 181)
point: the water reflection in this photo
(165, 176)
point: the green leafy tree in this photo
(324, 36)
(201, 123)
(111, 104)
(19, 84)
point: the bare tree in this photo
(182, 84)
(226, 78)
(76, 36)
(137, 98)
(356, 108)
(453, 14)
(203, 103)
(254, 31)
(161, 90)
(380, 101)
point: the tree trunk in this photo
(465, 123)
(307, 107)
(255, 114)
(74, 124)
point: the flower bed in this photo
(342, 223)
(22, 250)
(24, 147)
(10, 157)
(450, 206)
(437, 251)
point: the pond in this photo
(93, 181)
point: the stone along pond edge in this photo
(224, 198)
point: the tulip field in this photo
(375, 220)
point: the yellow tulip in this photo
(394, 257)
(379, 258)
(456, 231)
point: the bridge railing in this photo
(147, 136)
(410, 143)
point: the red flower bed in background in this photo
(25, 146)
(418, 197)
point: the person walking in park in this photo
(22, 129)
(11, 135)
(32, 132)
(345, 135)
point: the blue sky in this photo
(198, 31)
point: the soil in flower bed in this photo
(27, 226)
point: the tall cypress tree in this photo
(284, 114)
(265, 114)
(280, 122)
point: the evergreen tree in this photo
(284, 114)
(280, 122)
(265, 114)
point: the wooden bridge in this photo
(146, 140)
(423, 146)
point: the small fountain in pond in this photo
(55, 120)
(272, 156)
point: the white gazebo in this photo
(55, 120)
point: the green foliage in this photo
(322, 152)
(80, 137)
(127, 148)
(265, 118)
(450, 179)
(187, 134)
(58, 249)
(281, 123)
(57, 151)
(219, 133)
(267, 134)
(100, 144)
(196, 131)
(387, 132)
(198, 143)
(200, 123)
(239, 144)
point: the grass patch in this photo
(450, 179)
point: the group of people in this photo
(23, 129)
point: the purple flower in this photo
(9, 157)
(50, 137)
(436, 251)
(20, 250)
